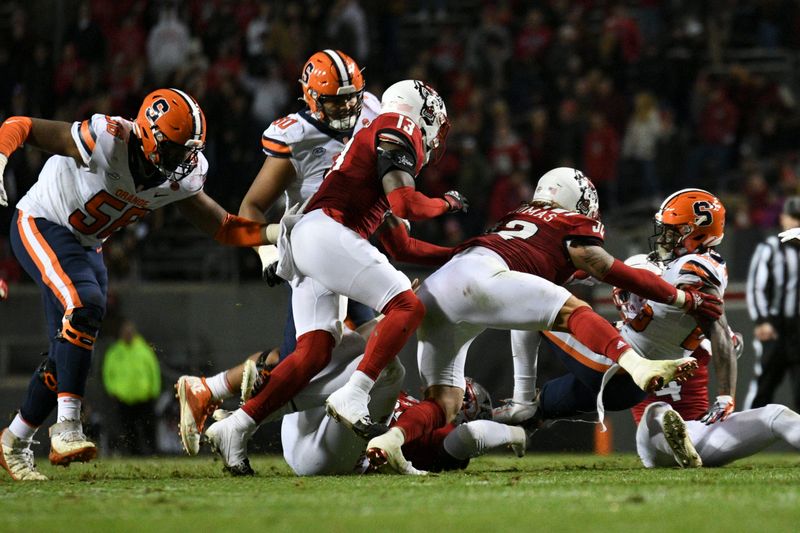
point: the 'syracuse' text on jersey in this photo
(660, 331)
(534, 240)
(99, 197)
(352, 192)
(311, 146)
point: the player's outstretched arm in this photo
(210, 217)
(595, 261)
(724, 360)
(395, 239)
(271, 181)
(48, 135)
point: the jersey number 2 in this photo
(518, 229)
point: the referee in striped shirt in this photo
(773, 300)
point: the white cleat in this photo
(16, 457)
(349, 406)
(679, 442)
(68, 444)
(229, 442)
(519, 442)
(652, 375)
(514, 412)
(387, 449)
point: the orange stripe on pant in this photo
(575, 354)
(61, 276)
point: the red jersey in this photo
(352, 193)
(690, 399)
(533, 240)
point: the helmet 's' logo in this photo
(307, 71)
(702, 211)
(155, 111)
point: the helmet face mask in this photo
(477, 404)
(688, 221)
(171, 127)
(333, 89)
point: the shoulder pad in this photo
(281, 134)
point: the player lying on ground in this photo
(314, 444)
(300, 149)
(511, 278)
(107, 172)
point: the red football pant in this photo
(596, 334)
(421, 419)
(312, 354)
(402, 316)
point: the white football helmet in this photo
(570, 189)
(423, 105)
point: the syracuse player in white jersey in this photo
(300, 149)
(510, 278)
(108, 172)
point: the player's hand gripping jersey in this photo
(534, 240)
(311, 145)
(352, 192)
(100, 197)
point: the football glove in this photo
(3, 289)
(789, 234)
(721, 409)
(457, 201)
(3, 195)
(270, 275)
(700, 304)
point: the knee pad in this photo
(47, 374)
(79, 327)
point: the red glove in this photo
(699, 304)
(3, 290)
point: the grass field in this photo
(496, 493)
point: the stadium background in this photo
(710, 88)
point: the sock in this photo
(403, 314)
(523, 354)
(21, 428)
(243, 421)
(69, 408)
(312, 354)
(39, 402)
(477, 437)
(596, 334)
(361, 381)
(421, 419)
(219, 386)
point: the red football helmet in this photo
(172, 128)
(333, 89)
(689, 220)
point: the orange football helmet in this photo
(172, 128)
(333, 89)
(689, 220)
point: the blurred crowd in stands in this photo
(646, 96)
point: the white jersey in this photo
(97, 198)
(677, 332)
(311, 146)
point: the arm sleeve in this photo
(238, 231)
(640, 282)
(402, 247)
(407, 202)
(13, 134)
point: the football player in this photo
(300, 149)
(107, 172)
(511, 278)
(325, 253)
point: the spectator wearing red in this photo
(534, 38)
(601, 152)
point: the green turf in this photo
(539, 493)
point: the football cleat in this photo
(255, 376)
(652, 375)
(68, 444)
(348, 406)
(195, 401)
(514, 412)
(16, 457)
(386, 449)
(230, 443)
(679, 442)
(519, 442)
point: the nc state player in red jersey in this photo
(510, 278)
(325, 253)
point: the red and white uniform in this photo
(509, 278)
(97, 198)
(325, 252)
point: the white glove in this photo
(787, 235)
(3, 196)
